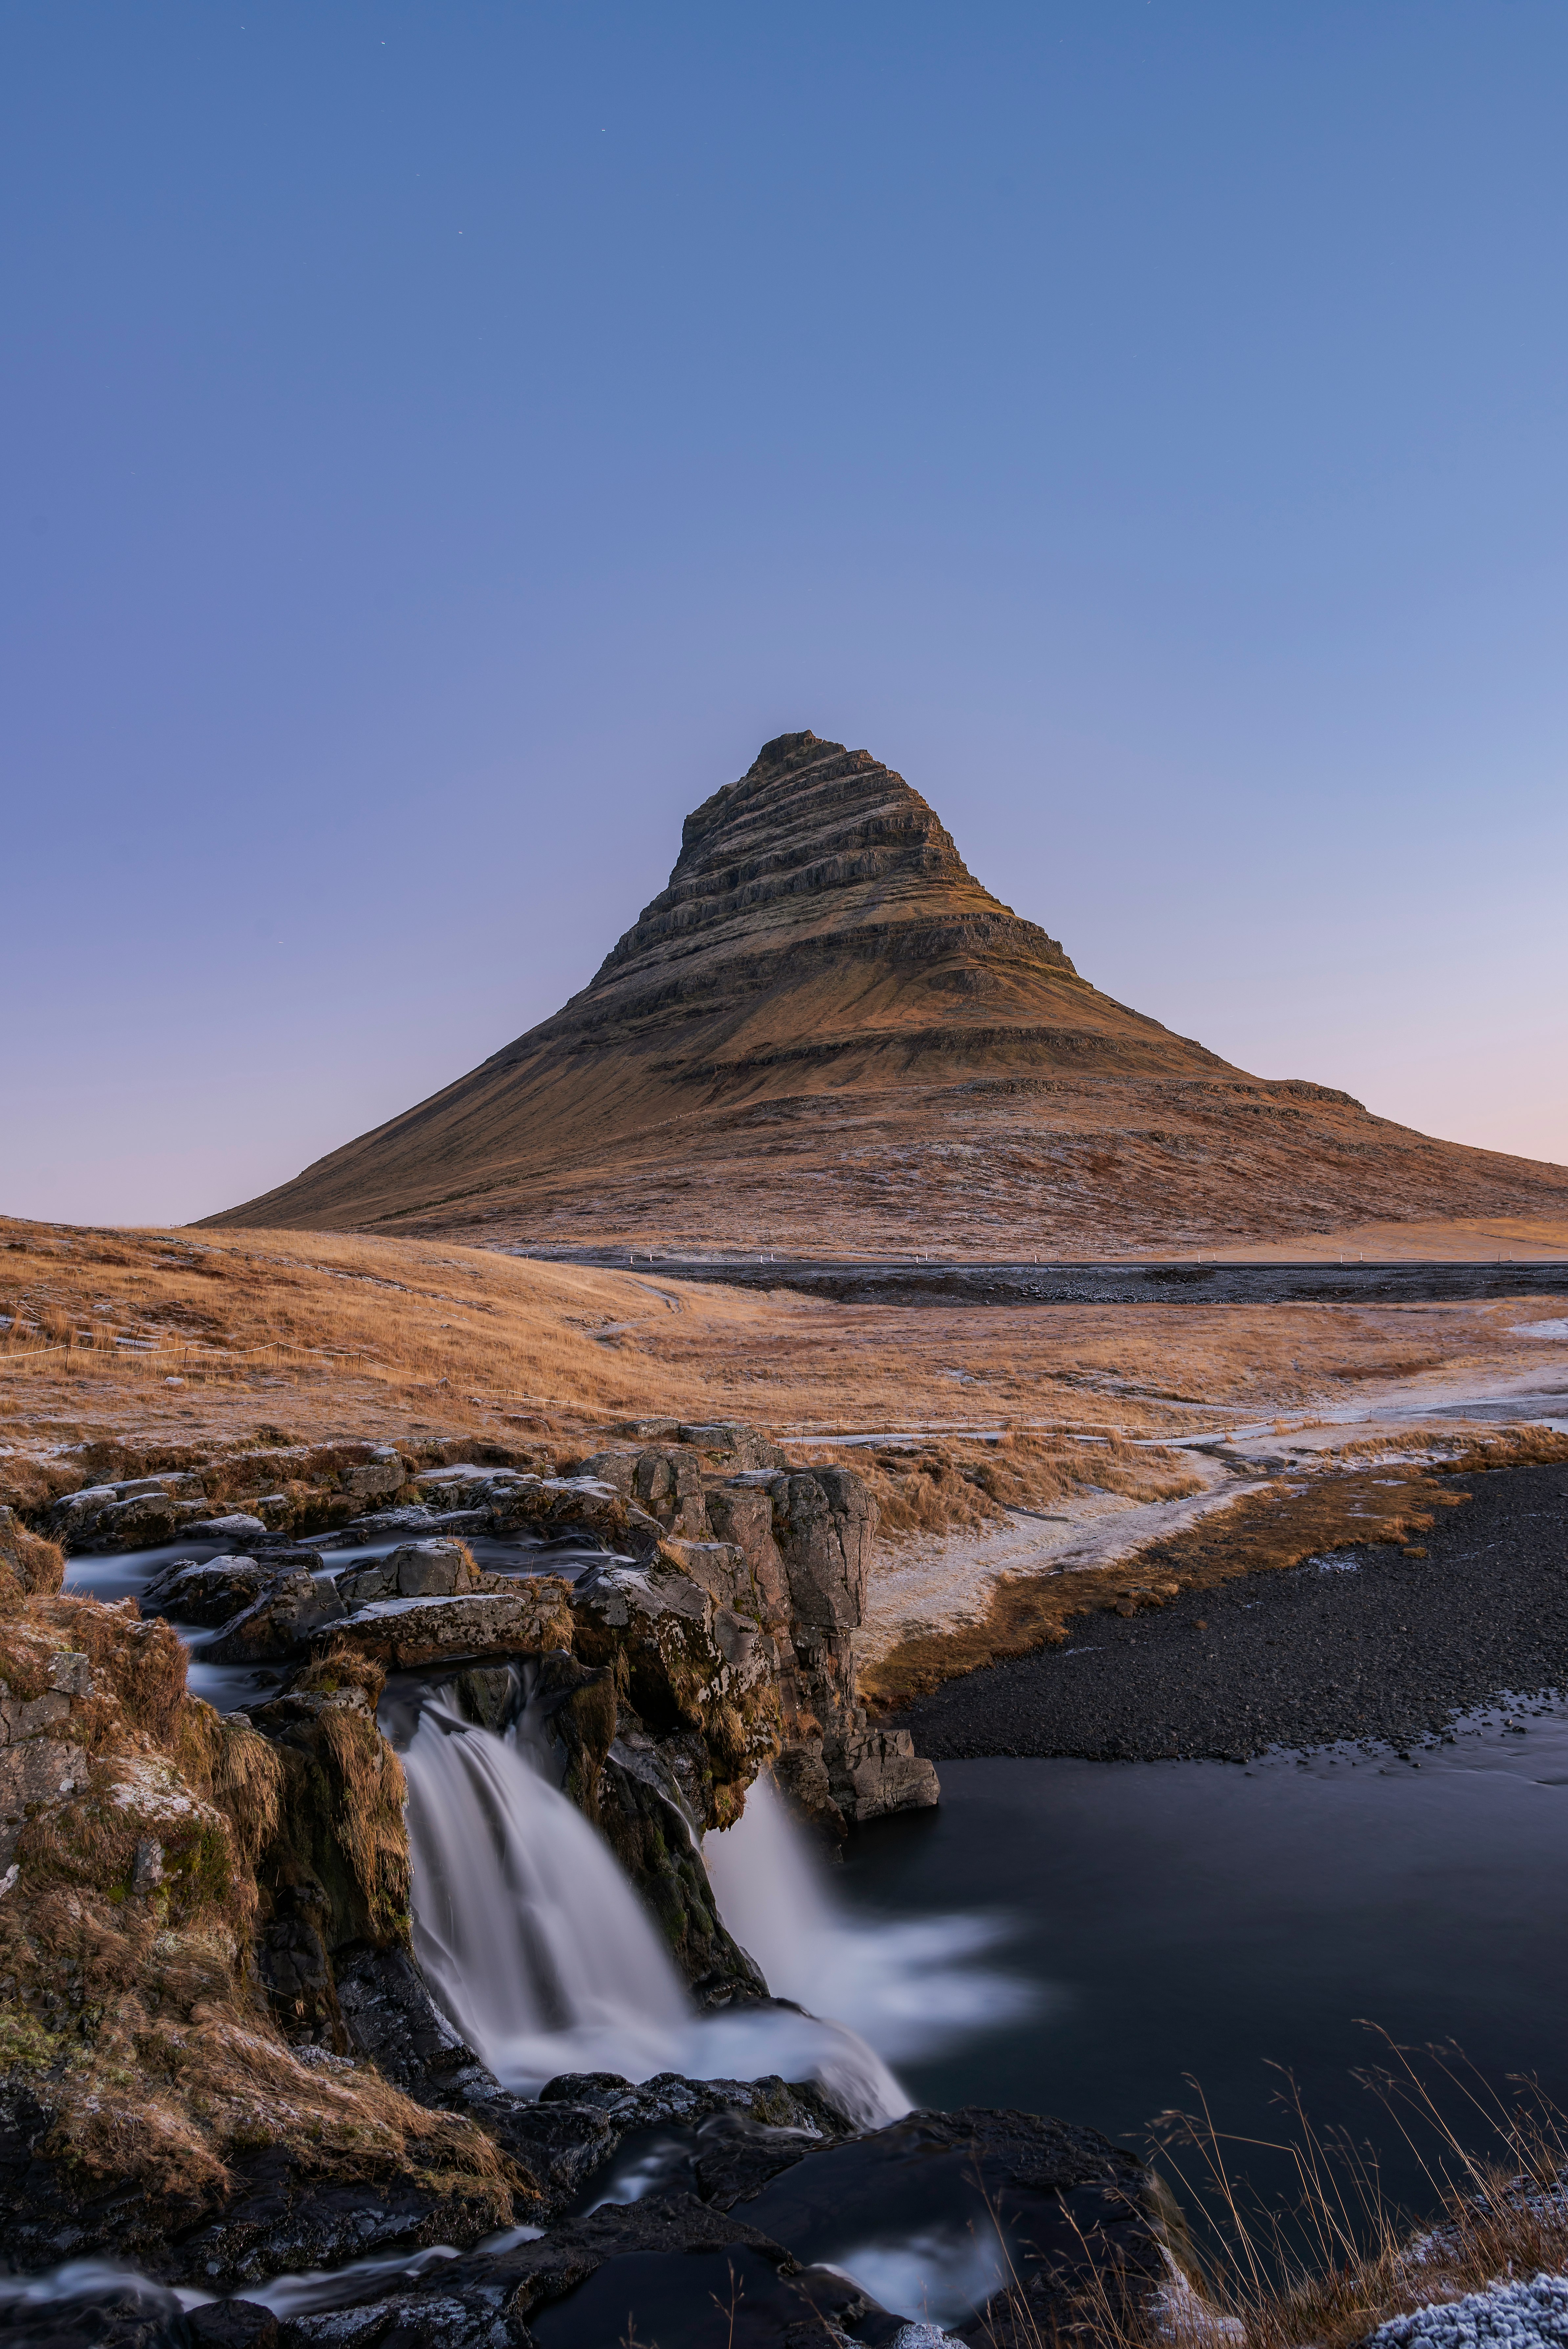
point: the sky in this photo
(439, 445)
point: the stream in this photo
(1075, 1938)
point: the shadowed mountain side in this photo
(825, 1032)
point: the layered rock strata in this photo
(825, 1036)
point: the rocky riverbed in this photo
(1377, 1643)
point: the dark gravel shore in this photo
(1369, 1644)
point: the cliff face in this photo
(824, 1034)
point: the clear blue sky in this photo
(441, 444)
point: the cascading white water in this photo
(544, 1956)
(908, 1987)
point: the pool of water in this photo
(1202, 1922)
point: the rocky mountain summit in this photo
(826, 1035)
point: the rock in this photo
(650, 1794)
(376, 1479)
(742, 1516)
(439, 1568)
(334, 1872)
(686, 1666)
(824, 1520)
(668, 2268)
(213, 1593)
(664, 1480)
(729, 1444)
(291, 1608)
(874, 1772)
(390, 2018)
(239, 1524)
(798, 2110)
(1070, 2206)
(573, 1709)
(800, 1773)
(134, 1514)
(35, 1761)
(233, 2324)
(402, 1634)
(578, 1508)
(809, 1564)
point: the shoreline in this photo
(1369, 1644)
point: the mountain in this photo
(826, 1035)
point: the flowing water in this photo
(1068, 1937)
(545, 1959)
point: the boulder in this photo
(527, 1617)
(872, 1773)
(664, 1480)
(238, 1524)
(378, 1478)
(741, 1515)
(579, 1508)
(190, 1592)
(432, 1568)
(136, 1513)
(138, 1521)
(291, 1608)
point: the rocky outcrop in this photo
(152, 2107)
(436, 1568)
(288, 1609)
(220, 2059)
(412, 1634)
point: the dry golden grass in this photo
(1328, 2266)
(1458, 1239)
(307, 1337)
(951, 1485)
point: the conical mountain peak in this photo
(825, 1032)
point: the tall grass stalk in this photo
(1323, 2267)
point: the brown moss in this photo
(369, 1819)
(28, 1563)
(342, 1666)
(123, 1945)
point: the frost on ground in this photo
(1531, 2315)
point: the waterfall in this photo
(907, 1986)
(544, 1956)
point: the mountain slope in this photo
(825, 1032)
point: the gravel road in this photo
(1364, 1644)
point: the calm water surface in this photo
(1204, 1918)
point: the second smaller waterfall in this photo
(909, 1986)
